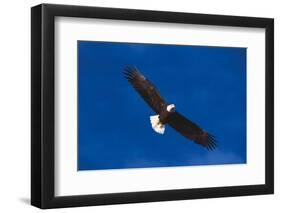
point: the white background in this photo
(70, 182)
(15, 106)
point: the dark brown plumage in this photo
(177, 121)
(146, 89)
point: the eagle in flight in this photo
(166, 113)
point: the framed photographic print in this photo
(139, 106)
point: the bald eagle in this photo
(166, 113)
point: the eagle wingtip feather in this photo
(211, 142)
(130, 72)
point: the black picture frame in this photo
(43, 113)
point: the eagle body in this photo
(166, 113)
(163, 116)
(158, 121)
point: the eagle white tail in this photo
(156, 124)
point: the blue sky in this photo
(207, 85)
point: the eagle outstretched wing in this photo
(191, 131)
(145, 88)
(153, 98)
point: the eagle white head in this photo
(171, 108)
